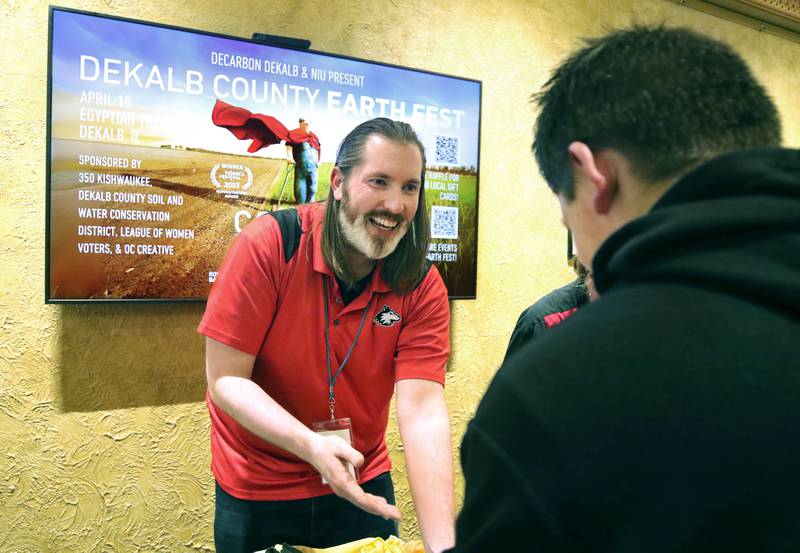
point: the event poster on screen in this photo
(146, 192)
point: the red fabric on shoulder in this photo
(553, 319)
(297, 136)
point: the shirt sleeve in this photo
(423, 347)
(242, 301)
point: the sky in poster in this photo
(193, 70)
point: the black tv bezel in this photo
(52, 9)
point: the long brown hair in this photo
(405, 267)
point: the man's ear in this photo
(336, 183)
(598, 172)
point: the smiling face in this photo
(380, 198)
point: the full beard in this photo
(354, 229)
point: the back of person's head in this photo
(666, 98)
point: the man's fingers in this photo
(388, 511)
(347, 453)
(377, 505)
(355, 458)
(374, 504)
(345, 486)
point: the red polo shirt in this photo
(263, 306)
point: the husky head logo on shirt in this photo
(386, 316)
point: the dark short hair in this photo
(666, 98)
(405, 267)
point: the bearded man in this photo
(316, 316)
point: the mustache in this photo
(386, 215)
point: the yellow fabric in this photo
(371, 545)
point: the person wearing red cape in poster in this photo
(265, 130)
(305, 151)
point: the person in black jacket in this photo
(551, 309)
(663, 416)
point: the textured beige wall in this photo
(103, 434)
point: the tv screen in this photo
(164, 143)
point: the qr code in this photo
(444, 222)
(447, 149)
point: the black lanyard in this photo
(332, 377)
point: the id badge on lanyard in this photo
(342, 427)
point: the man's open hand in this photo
(330, 455)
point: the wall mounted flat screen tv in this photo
(165, 142)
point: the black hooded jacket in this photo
(664, 417)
